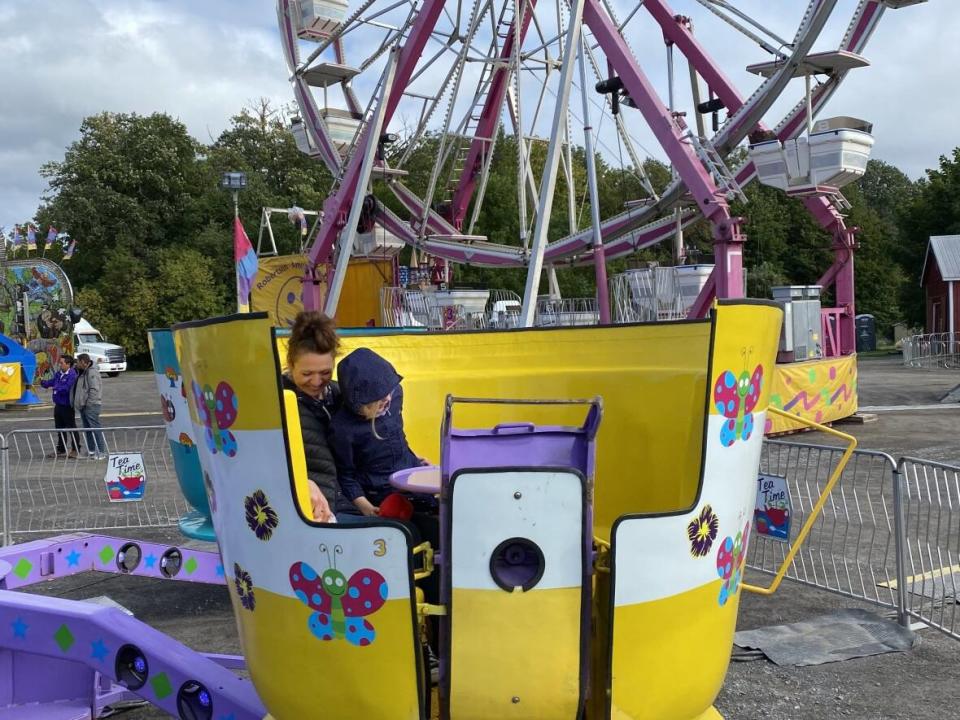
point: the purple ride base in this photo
(59, 658)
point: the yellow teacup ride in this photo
(589, 568)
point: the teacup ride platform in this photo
(590, 558)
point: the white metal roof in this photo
(946, 252)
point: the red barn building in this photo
(941, 282)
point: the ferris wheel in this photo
(378, 80)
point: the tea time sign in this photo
(773, 511)
(125, 478)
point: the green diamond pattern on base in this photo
(64, 638)
(106, 554)
(191, 565)
(22, 568)
(161, 686)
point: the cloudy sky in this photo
(203, 61)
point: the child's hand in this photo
(366, 508)
(424, 462)
(319, 504)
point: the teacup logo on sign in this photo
(125, 478)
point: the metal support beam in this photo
(548, 182)
(950, 300)
(349, 233)
(599, 261)
(658, 117)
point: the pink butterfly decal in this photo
(735, 398)
(217, 411)
(340, 606)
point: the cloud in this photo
(65, 61)
(202, 61)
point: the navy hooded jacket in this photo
(365, 462)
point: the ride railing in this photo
(405, 308)
(568, 312)
(936, 350)
(647, 295)
(830, 331)
(52, 485)
(851, 549)
(888, 533)
(400, 307)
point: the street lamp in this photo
(234, 182)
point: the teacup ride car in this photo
(589, 568)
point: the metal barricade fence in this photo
(852, 548)
(46, 493)
(931, 511)
(936, 350)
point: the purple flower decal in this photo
(261, 518)
(244, 585)
(702, 531)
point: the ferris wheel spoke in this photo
(657, 115)
(446, 147)
(625, 137)
(742, 121)
(436, 224)
(714, 7)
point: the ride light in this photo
(128, 558)
(194, 701)
(131, 667)
(170, 562)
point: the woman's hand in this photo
(319, 504)
(366, 508)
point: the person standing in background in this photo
(63, 415)
(87, 396)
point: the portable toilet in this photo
(866, 328)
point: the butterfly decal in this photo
(217, 411)
(735, 399)
(340, 606)
(731, 558)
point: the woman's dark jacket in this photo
(315, 414)
(364, 461)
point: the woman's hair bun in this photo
(313, 332)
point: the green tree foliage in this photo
(934, 209)
(155, 231)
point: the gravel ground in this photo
(921, 684)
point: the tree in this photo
(933, 210)
(129, 182)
